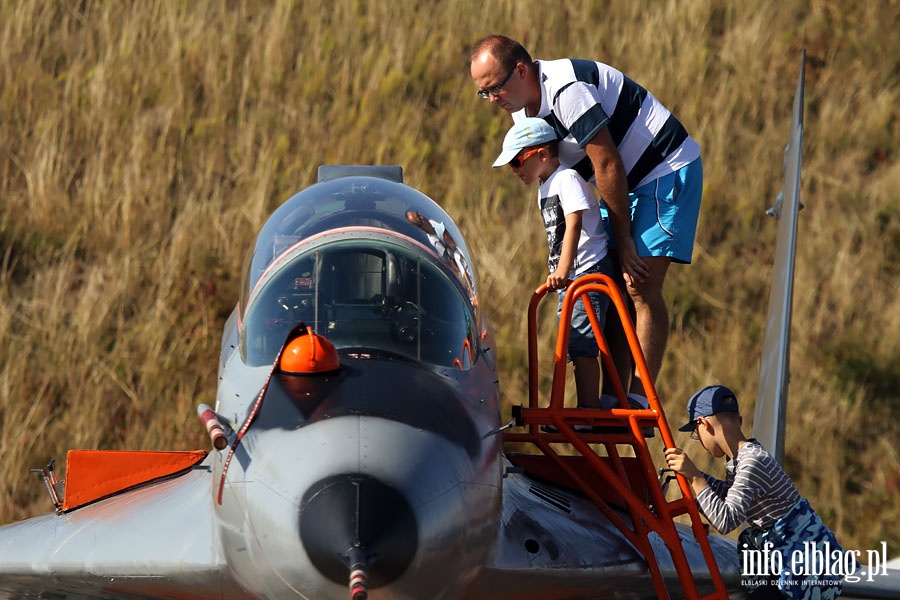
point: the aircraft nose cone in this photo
(346, 511)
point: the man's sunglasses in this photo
(495, 91)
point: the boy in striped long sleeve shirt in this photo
(756, 490)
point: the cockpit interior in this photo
(367, 295)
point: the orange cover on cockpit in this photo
(95, 474)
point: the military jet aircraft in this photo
(357, 446)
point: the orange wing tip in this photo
(95, 474)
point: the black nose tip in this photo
(357, 511)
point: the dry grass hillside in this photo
(143, 144)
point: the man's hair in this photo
(506, 50)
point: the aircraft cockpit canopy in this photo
(368, 263)
(357, 202)
(371, 295)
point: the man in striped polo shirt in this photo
(644, 164)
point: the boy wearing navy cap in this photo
(757, 490)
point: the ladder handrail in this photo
(643, 519)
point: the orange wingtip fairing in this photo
(95, 474)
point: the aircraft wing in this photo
(572, 552)
(153, 542)
(885, 584)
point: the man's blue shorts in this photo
(581, 335)
(664, 214)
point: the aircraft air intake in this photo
(351, 520)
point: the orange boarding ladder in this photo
(612, 480)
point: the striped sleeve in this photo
(725, 514)
(719, 487)
(756, 490)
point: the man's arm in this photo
(609, 174)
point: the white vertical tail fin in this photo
(774, 372)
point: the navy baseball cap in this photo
(710, 400)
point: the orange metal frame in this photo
(626, 429)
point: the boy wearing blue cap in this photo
(757, 490)
(576, 240)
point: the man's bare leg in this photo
(652, 318)
(618, 348)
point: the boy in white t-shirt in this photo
(576, 239)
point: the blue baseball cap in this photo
(527, 132)
(710, 400)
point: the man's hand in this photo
(612, 183)
(634, 270)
